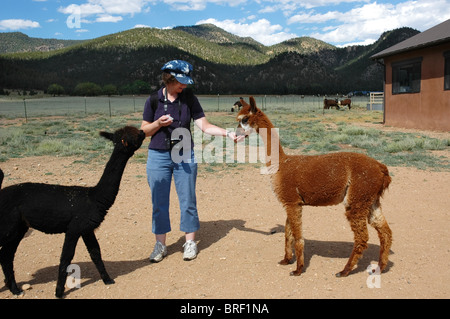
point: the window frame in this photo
(446, 70)
(407, 76)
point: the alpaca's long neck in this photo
(105, 192)
(268, 133)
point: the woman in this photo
(174, 109)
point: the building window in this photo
(447, 70)
(406, 76)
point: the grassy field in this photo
(303, 125)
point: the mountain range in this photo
(223, 62)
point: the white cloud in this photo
(308, 4)
(106, 10)
(365, 42)
(141, 26)
(84, 10)
(268, 9)
(186, 5)
(290, 6)
(262, 30)
(198, 5)
(108, 18)
(121, 7)
(313, 18)
(18, 24)
(370, 20)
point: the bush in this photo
(55, 89)
(109, 89)
(87, 89)
(137, 87)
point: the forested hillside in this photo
(224, 63)
(11, 42)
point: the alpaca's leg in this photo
(377, 221)
(288, 242)
(68, 251)
(294, 214)
(358, 224)
(94, 251)
(7, 260)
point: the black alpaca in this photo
(74, 210)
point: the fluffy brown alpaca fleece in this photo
(322, 180)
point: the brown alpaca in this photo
(323, 180)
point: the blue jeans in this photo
(160, 169)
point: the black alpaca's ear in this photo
(253, 107)
(107, 135)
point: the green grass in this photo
(67, 137)
(316, 133)
(306, 132)
(322, 134)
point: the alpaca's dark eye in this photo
(244, 120)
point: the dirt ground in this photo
(241, 240)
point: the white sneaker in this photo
(190, 250)
(159, 252)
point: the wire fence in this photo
(116, 106)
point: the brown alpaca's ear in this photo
(253, 107)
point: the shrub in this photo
(87, 89)
(109, 89)
(55, 89)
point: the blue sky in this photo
(338, 22)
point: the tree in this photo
(137, 87)
(109, 89)
(141, 87)
(55, 89)
(87, 89)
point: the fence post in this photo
(25, 108)
(109, 107)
